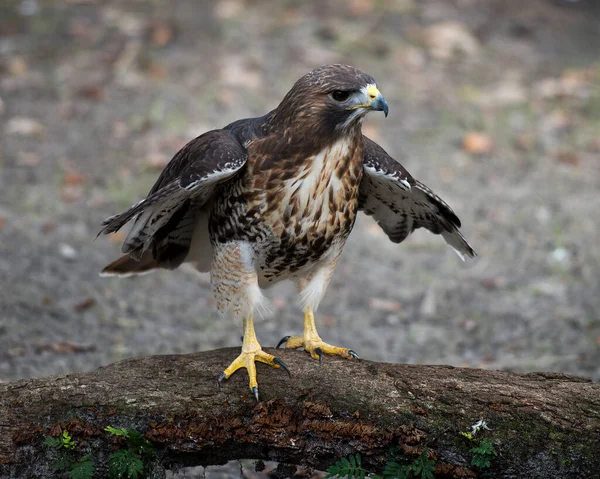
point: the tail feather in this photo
(127, 266)
(459, 244)
(116, 222)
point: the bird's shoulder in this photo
(248, 129)
(212, 152)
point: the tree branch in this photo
(542, 424)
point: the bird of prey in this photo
(274, 198)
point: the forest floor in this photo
(493, 104)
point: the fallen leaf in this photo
(157, 71)
(48, 227)
(71, 193)
(291, 16)
(382, 304)
(65, 347)
(477, 143)
(568, 158)
(361, 7)
(47, 301)
(84, 304)
(73, 178)
(24, 126)
(92, 92)
(17, 66)
(161, 34)
(2, 222)
(492, 282)
(445, 39)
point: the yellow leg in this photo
(312, 342)
(251, 352)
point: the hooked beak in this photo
(377, 102)
(374, 101)
(380, 105)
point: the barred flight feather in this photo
(398, 210)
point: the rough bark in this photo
(542, 424)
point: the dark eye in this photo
(340, 95)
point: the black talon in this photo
(320, 354)
(283, 340)
(220, 378)
(255, 391)
(283, 365)
(353, 354)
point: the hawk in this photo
(274, 198)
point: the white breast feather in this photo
(306, 188)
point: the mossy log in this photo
(542, 425)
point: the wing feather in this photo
(192, 175)
(401, 204)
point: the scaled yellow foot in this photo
(251, 352)
(312, 342)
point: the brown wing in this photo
(400, 204)
(183, 188)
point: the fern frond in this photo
(350, 467)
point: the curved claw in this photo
(255, 391)
(282, 341)
(220, 378)
(283, 365)
(319, 352)
(353, 354)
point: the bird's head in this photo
(332, 98)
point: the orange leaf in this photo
(477, 143)
(74, 178)
(162, 33)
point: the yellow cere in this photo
(372, 93)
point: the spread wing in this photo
(186, 184)
(400, 204)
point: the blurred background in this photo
(495, 104)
